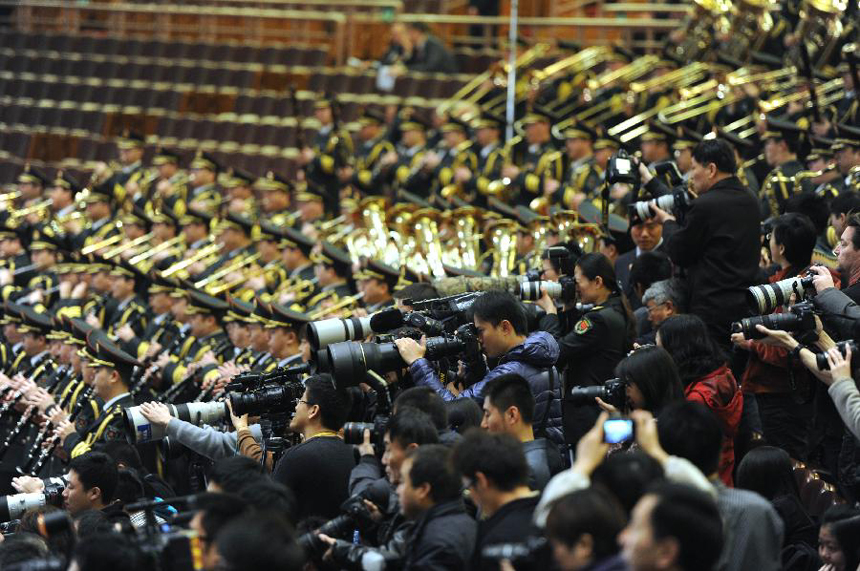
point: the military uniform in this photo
(333, 150)
(369, 152)
(780, 184)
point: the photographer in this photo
(502, 328)
(848, 257)
(407, 430)
(781, 386)
(591, 344)
(318, 469)
(719, 244)
(497, 474)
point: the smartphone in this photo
(616, 430)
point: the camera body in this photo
(355, 513)
(353, 432)
(273, 392)
(821, 358)
(800, 318)
(613, 391)
(623, 169)
(676, 202)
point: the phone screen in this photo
(617, 430)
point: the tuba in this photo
(570, 229)
(426, 224)
(501, 235)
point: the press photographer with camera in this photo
(781, 386)
(318, 469)
(502, 329)
(591, 343)
(496, 472)
(718, 245)
(408, 429)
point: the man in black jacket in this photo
(317, 470)
(444, 535)
(497, 474)
(718, 247)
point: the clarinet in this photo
(16, 398)
(16, 430)
(219, 350)
(180, 338)
(45, 430)
(83, 398)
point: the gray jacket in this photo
(840, 312)
(207, 441)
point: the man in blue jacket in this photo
(502, 328)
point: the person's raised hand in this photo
(366, 448)
(646, 435)
(840, 366)
(822, 279)
(591, 449)
(410, 350)
(155, 412)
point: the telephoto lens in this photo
(12, 507)
(321, 334)
(353, 432)
(348, 362)
(139, 429)
(530, 291)
(801, 318)
(766, 298)
(821, 358)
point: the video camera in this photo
(613, 391)
(799, 319)
(276, 391)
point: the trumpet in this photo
(133, 243)
(155, 250)
(231, 267)
(202, 253)
(341, 304)
(38, 207)
(96, 246)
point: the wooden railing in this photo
(346, 28)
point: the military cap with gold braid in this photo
(163, 217)
(103, 192)
(165, 157)
(200, 303)
(780, 129)
(80, 330)
(821, 148)
(8, 233)
(203, 160)
(234, 221)
(579, 131)
(43, 241)
(11, 313)
(686, 139)
(846, 136)
(58, 329)
(108, 354)
(195, 216)
(239, 311)
(32, 175)
(130, 140)
(605, 141)
(658, 131)
(414, 122)
(66, 181)
(331, 255)
(292, 238)
(237, 177)
(308, 191)
(537, 115)
(375, 269)
(160, 284)
(262, 312)
(370, 116)
(454, 124)
(283, 317)
(273, 182)
(126, 270)
(34, 322)
(488, 121)
(137, 217)
(271, 232)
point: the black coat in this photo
(512, 523)
(432, 57)
(718, 248)
(590, 348)
(443, 539)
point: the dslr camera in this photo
(613, 391)
(766, 298)
(821, 358)
(355, 514)
(13, 506)
(799, 319)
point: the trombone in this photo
(128, 245)
(229, 268)
(96, 246)
(38, 207)
(200, 254)
(341, 304)
(175, 241)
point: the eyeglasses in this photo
(304, 401)
(652, 309)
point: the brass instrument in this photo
(465, 252)
(820, 29)
(200, 254)
(708, 16)
(343, 303)
(828, 93)
(750, 23)
(373, 209)
(166, 245)
(95, 247)
(570, 229)
(426, 221)
(40, 207)
(233, 266)
(128, 245)
(501, 236)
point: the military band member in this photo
(287, 335)
(170, 191)
(239, 194)
(160, 329)
(205, 194)
(333, 270)
(541, 161)
(584, 176)
(491, 157)
(99, 215)
(377, 281)
(112, 383)
(373, 146)
(330, 151)
(781, 144)
(846, 152)
(274, 198)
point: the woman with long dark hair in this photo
(592, 343)
(651, 379)
(706, 378)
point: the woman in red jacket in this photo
(706, 378)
